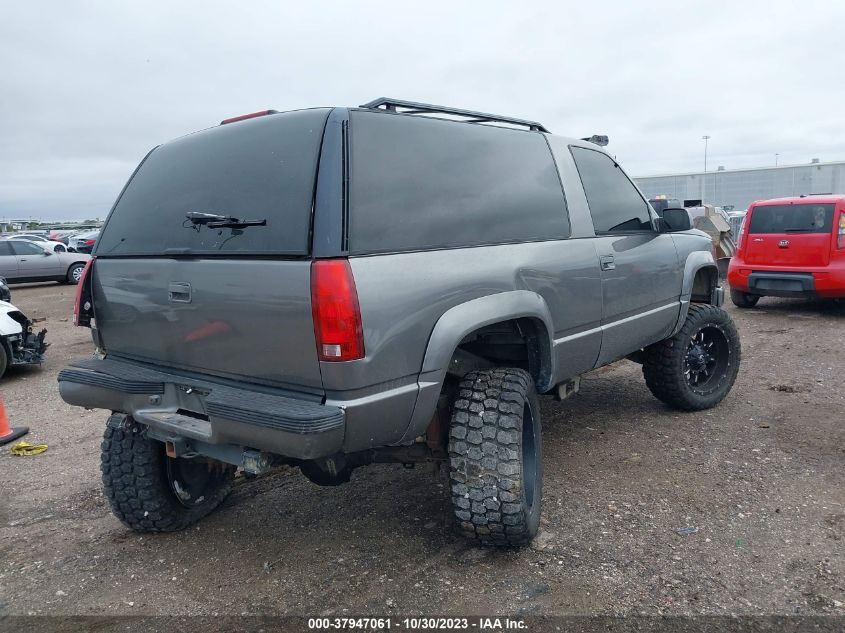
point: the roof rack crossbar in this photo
(412, 107)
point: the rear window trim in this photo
(268, 255)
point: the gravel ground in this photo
(759, 479)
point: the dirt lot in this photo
(760, 478)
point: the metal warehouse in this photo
(740, 187)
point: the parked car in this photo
(449, 272)
(19, 344)
(735, 219)
(61, 235)
(22, 261)
(5, 293)
(790, 247)
(50, 245)
(84, 242)
(32, 237)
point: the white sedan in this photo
(50, 245)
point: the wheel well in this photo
(522, 343)
(706, 280)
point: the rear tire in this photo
(496, 457)
(696, 368)
(74, 273)
(151, 492)
(743, 299)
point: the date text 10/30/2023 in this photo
(417, 624)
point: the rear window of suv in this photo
(260, 169)
(420, 183)
(792, 218)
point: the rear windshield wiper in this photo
(234, 223)
(215, 221)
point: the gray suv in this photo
(397, 282)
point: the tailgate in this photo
(243, 319)
(790, 235)
(204, 262)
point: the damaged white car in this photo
(19, 345)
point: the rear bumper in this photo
(205, 411)
(804, 283)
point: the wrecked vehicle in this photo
(334, 287)
(19, 345)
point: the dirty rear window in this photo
(792, 218)
(258, 169)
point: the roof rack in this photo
(412, 107)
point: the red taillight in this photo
(251, 115)
(82, 295)
(89, 242)
(334, 306)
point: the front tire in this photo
(696, 368)
(151, 492)
(743, 299)
(496, 457)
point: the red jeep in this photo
(790, 247)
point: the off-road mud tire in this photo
(496, 457)
(666, 363)
(137, 485)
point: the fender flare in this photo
(696, 261)
(459, 321)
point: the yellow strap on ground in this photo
(25, 448)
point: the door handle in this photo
(179, 292)
(607, 262)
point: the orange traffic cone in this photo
(7, 433)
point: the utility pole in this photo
(705, 138)
(776, 159)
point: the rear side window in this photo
(5, 248)
(615, 203)
(26, 248)
(420, 183)
(792, 218)
(260, 169)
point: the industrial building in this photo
(740, 187)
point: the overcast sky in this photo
(86, 88)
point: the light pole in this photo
(704, 138)
(776, 159)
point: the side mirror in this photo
(674, 220)
(47, 253)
